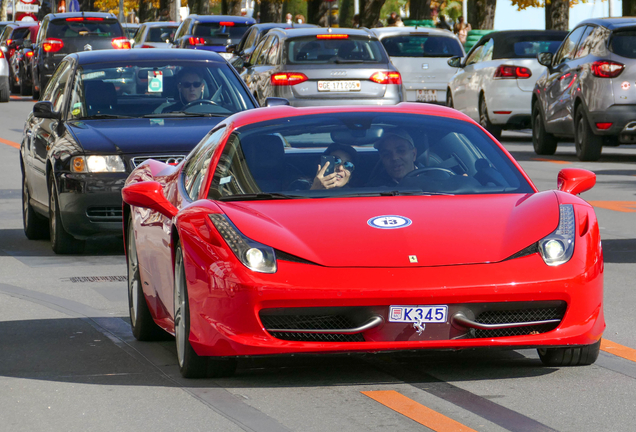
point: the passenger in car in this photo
(397, 158)
(345, 164)
(191, 87)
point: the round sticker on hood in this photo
(389, 222)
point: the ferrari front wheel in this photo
(578, 356)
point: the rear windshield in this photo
(19, 33)
(530, 49)
(311, 50)
(76, 29)
(422, 46)
(216, 30)
(160, 34)
(624, 43)
(526, 46)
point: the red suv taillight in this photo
(196, 40)
(386, 78)
(1, 54)
(288, 78)
(29, 53)
(146, 46)
(120, 43)
(52, 45)
(512, 72)
(606, 69)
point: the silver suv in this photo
(319, 66)
(589, 89)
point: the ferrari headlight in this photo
(558, 247)
(97, 164)
(255, 256)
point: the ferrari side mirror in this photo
(575, 180)
(149, 194)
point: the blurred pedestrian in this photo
(442, 24)
(461, 29)
(355, 23)
(299, 19)
(288, 18)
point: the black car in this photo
(21, 63)
(65, 33)
(11, 41)
(103, 114)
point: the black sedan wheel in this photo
(61, 241)
(25, 90)
(449, 99)
(484, 120)
(579, 356)
(35, 226)
(191, 365)
(544, 143)
(588, 145)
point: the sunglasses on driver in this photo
(187, 84)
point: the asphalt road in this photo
(68, 361)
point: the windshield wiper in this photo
(394, 193)
(259, 196)
(106, 116)
(182, 114)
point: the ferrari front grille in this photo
(318, 337)
(167, 159)
(500, 323)
(104, 214)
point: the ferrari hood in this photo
(399, 231)
(141, 135)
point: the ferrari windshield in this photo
(362, 154)
(156, 89)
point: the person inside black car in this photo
(191, 87)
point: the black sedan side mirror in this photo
(276, 101)
(545, 58)
(44, 109)
(455, 62)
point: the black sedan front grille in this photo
(516, 316)
(168, 159)
(104, 214)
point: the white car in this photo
(155, 35)
(5, 90)
(494, 82)
(421, 55)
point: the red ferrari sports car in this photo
(353, 229)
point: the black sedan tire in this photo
(192, 365)
(449, 99)
(35, 226)
(4, 89)
(61, 241)
(35, 94)
(544, 143)
(143, 326)
(25, 90)
(579, 356)
(588, 145)
(484, 120)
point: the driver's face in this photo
(188, 87)
(398, 157)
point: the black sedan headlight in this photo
(97, 164)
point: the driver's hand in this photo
(324, 182)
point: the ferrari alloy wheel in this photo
(61, 241)
(449, 99)
(544, 143)
(191, 365)
(484, 120)
(143, 326)
(35, 227)
(588, 145)
(579, 356)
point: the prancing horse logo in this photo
(88, 47)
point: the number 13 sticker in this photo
(389, 222)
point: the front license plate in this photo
(426, 95)
(338, 86)
(422, 314)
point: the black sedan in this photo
(104, 113)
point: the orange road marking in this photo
(417, 412)
(619, 206)
(10, 143)
(618, 350)
(560, 162)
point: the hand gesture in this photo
(324, 182)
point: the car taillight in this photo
(1, 54)
(52, 45)
(196, 40)
(288, 78)
(120, 43)
(29, 53)
(386, 78)
(226, 24)
(606, 69)
(332, 36)
(9, 41)
(603, 126)
(512, 72)
(85, 19)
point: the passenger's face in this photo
(398, 157)
(189, 92)
(342, 175)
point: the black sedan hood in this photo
(141, 135)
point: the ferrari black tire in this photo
(579, 356)
(588, 145)
(35, 226)
(4, 89)
(544, 143)
(61, 241)
(449, 99)
(192, 365)
(484, 120)
(143, 326)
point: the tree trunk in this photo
(3, 10)
(271, 11)
(629, 7)
(420, 9)
(370, 12)
(481, 14)
(345, 13)
(144, 10)
(318, 12)
(557, 15)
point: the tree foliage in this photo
(525, 4)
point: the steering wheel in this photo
(424, 170)
(197, 102)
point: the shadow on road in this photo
(14, 243)
(619, 251)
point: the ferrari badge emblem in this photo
(88, 47)
(419, 326)
(413, 258)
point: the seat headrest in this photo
(99, 94)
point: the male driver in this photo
(397, 154)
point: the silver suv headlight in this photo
(558, 247)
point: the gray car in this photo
(589, 89)
(4, 78)
(319, 66)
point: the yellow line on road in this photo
(619, 206)
(618, 350)
(10, 143)
(560, 162)
(416, 411)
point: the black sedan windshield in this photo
(159, 89)
(369, 154)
